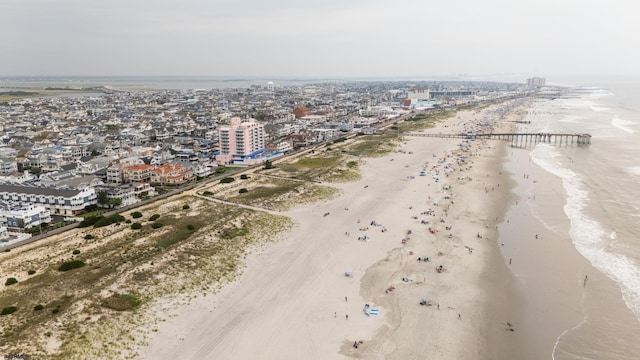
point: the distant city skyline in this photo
(319, 39)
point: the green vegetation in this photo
(103, 199)
(88, 237)
(10, 281)
(311, 168)
(222, 170)
(70, 265)
(352, 164)
(106, 221)
(425, 120)
(122, 302)
(315, 162)
(372, 145)
(38, 307)
(244, 177)
(227, 180)
(6, 96)
(31, 271)
(136, 214)
(181, 230)
(76, 252)
(268, 165)
(90, 220)
(181, 261)
(8, 310)
(279, 194)
(154, 217)
(136, 226)
(231, 233)
(243, 190)
(99, 221)
(157, 225)
(186, 207)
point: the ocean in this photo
(595, 208)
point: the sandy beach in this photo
(390, 232)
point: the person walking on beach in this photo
(345, 299)
(346, 317)
(584, 283)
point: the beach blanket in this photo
(373, 312)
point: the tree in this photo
(103, 197)
(260, 116)
(104, 200)
(268, 164)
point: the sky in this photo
(319, 38)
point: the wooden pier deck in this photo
(520, 139)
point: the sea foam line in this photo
(587, 234)
(620, 124)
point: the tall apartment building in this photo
(536, 81)
(242, 141)
(419, 93)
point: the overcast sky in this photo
(319, 38)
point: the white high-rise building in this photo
(536, 82)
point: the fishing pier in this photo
(520, 140)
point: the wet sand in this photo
(562, 315)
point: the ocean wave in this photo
(633, 170)
(573, 119)
(588, 236)
(623, 124)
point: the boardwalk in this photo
(520, 140)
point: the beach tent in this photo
(423, 173)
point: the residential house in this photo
(125, 193)
(57, 201)
(171, 174)
(23, 218)
(136, 173)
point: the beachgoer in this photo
(335, 314)
(345, 299)
(346, 316)
(459, 316)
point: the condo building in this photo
(242, 141)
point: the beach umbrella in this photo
(348, 273)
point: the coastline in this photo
(294, 298)
(569, 309)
